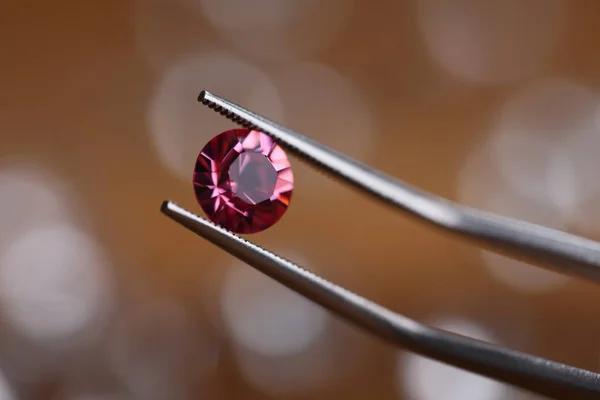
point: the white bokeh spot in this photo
(425, 379)
(6, 391)
(267, 318)
(276, 30)
(180, 127)
(545, 143)
(30, 196)
(491, 42)
(54, 283)
(157, 350)
(539, 164)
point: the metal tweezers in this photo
(564, 252)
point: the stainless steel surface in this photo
(564, 252)
(523, 370)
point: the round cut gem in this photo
(243, 181)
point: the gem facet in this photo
(243, 181)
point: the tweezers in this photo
(564, 252)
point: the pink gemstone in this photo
(243, 181)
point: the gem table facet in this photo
(243, 181)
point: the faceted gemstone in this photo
(243, 181)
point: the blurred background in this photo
(494, 104)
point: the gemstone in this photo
(243, 181)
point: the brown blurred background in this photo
(493, 103)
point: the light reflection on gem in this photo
(243, 181)
(253, 177)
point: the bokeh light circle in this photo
(6, 391)
(520, 275)
(491, 42)
(54, 283)
(545, 142)
(481, 186)
(424, 379)
(31, 196)
(323, 104)
(276, 30)
(180, 126)
(165, 30)
(267, 318)
(157, 350)
(539, 164)
(302, 373)
(253, 14)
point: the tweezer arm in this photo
(526, 371)
(565, 252)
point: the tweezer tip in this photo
(165, 207)
(201, 96)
